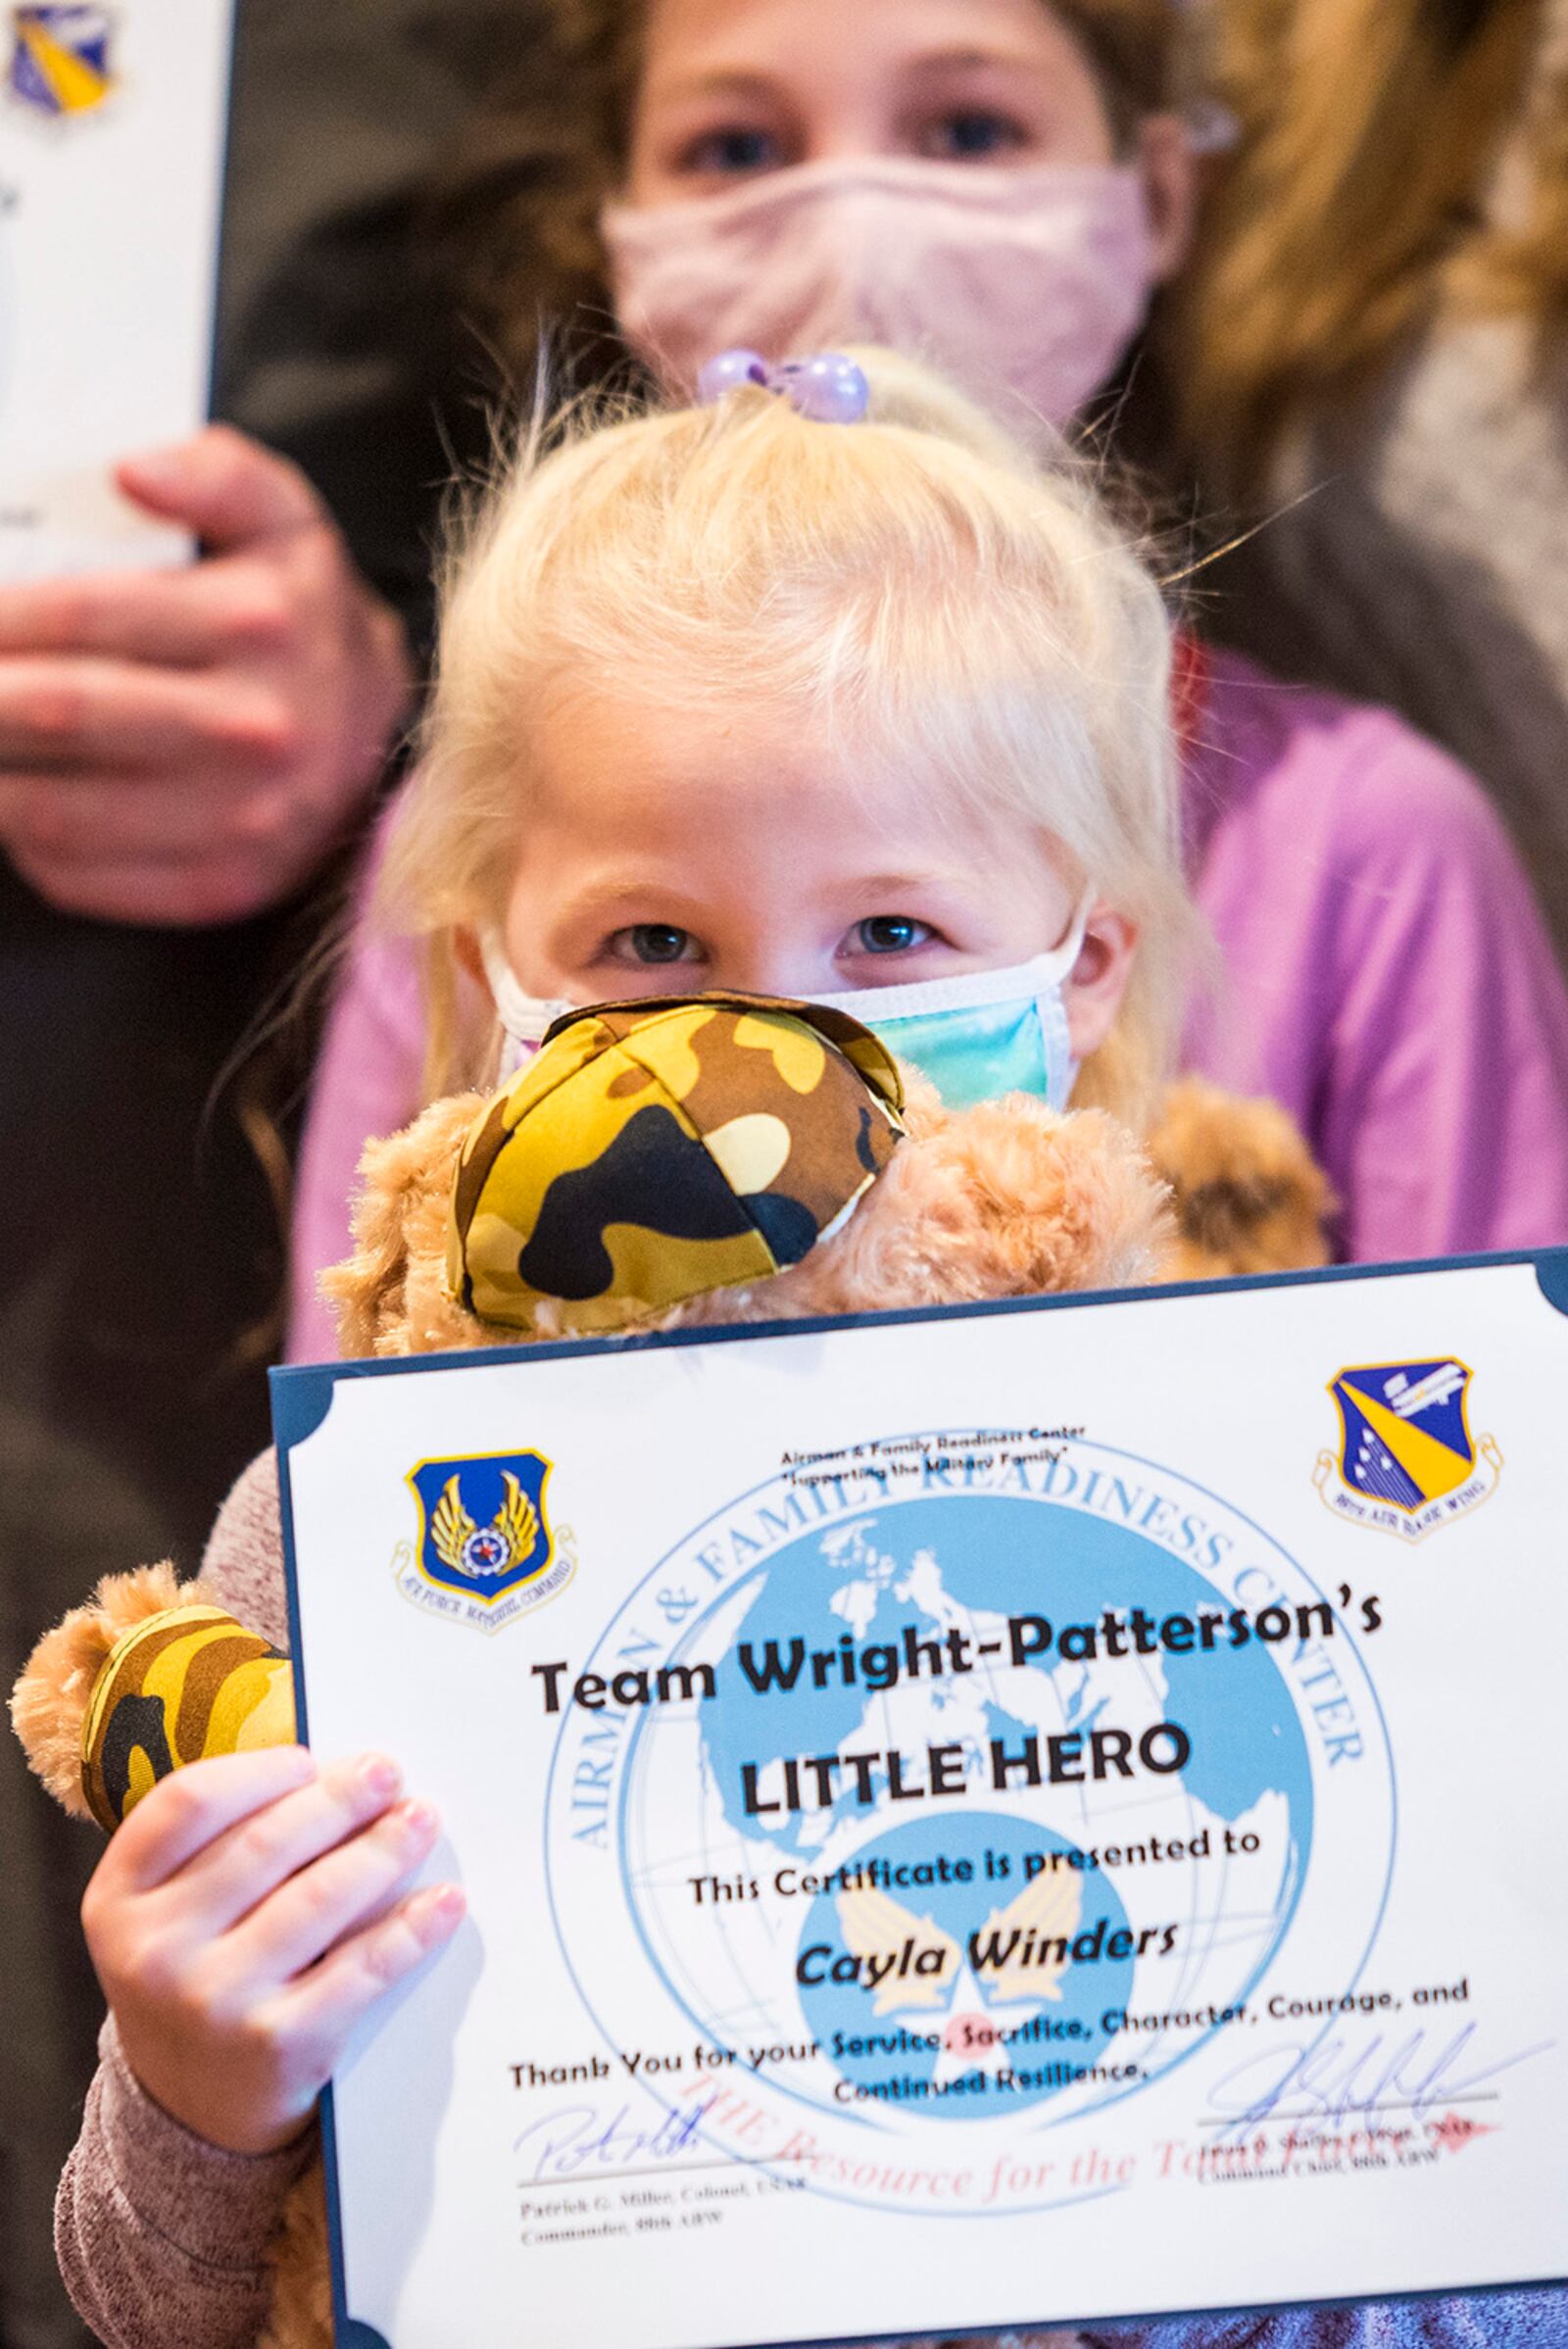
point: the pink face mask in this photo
(1024, 286)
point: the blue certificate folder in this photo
(1017, 1814)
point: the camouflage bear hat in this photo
(654, 1151)
(187, 1683)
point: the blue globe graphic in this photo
(964, 2056)
(928, 1567)
(1004, 1555)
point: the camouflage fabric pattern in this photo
(652, 1152)
(183, 1684)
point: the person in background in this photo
(1004, 185)
(1372, 369)
(180, 760)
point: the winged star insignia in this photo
(486, 1548)
(476, 1550)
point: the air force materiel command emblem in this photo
(60, 57)
(1406, 1462)
(486, 1551)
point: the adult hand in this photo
(186, 746)
(239, 1925)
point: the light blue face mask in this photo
(976, 1034)
(981, 1033)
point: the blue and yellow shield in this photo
(1405, 1437)
(482, 1525)
(60, 57)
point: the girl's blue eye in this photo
(889, 934)
(734, 151)
(655, 942)
(972, 134)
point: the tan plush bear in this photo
(691, 1162)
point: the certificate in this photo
(999, 1817)
(113, 123)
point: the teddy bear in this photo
(691, 1162)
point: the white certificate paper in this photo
(113, 123)
(978, 1820)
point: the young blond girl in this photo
(1002, 185)
(728, 695)
(717, 706)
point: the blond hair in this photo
(913, 589)
(1353, 206)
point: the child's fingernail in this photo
(380, 1775)
(444, 1907)
(418, 1817)
(299, 1762)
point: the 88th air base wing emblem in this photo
(60, 57)
(486, 1551)
(1406, 1462)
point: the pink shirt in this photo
(1385, 976)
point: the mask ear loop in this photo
(1062, 959)
(1055, 1026)
(523, 1017)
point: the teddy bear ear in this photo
(1247, 1195)
(149, 1675)
(391, 1293)
(50, 1701)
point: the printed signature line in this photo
(1392, 2104)
(533, 2185)
(1345, 2081)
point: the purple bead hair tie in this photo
(827, 387)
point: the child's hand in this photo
(227, 1923)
